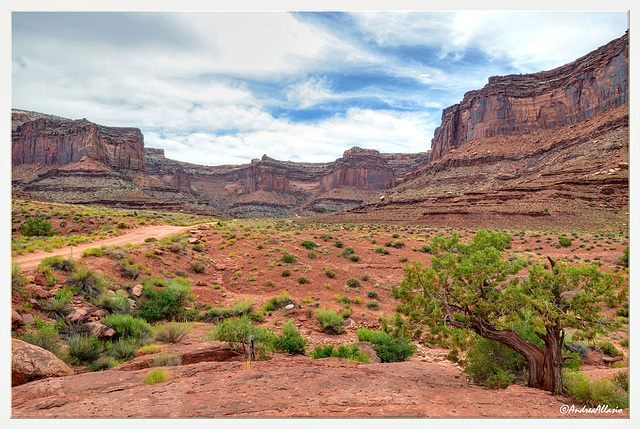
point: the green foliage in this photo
(197, 267)
(470, 286)
(372, 304)
(37, 227)
(595, 392)
(329, 273)
(381, 250)
(353, 283)
(625, 257)
(347, 251)
(425, 248)
(83, 349)
(128, 326)
(123, 348)
(103, 363)
(167, 303)
(58, 307)
(330, 321)
(338, 243)
(172, 332)
(92, 251)
(277, 302)
(387, 347)
(309, 244)
(354, 258)
(243, 332)
(291, 341)
(286, 273)
(372, 294)
(157, 376)
(166, 359)
(42, 334)
(117, 302)
(288, 258)
(351, 352)
(564, 241)
(608, 348)
(303, 280)
(85, 281)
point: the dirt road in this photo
(31, 260)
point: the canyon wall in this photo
(526, 104)
(49, 140)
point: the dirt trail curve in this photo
(31, 260)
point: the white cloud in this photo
(309, 92)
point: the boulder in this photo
(37, 291)
(29, 362)
(366, 348)
(16, 320)
(78, 315)
(102, 331)
(137, 290)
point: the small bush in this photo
(388, 348)
(165, 304)
(241, 331)
(83, 349)
(92, 251)
(347, 251)
(338, 244)
(149, 349)
(608, 348)
(198, 248)
(564, 241)
(303, 280)
(86, 281)
(381, 250)
(309, 244)
(365, 277)
(103, 363)
(351, 352)
(167, 359)
(113, 302)
(372, 305)
(595, 392)
(286, 273)
(357, 300)
(123, 349)
(425, 248)
(354, 258)
(372, 294)
(331, 323)
(37, 227)
(288, 258)
(197, 267)
(329, 273)
(128, 326)
(42, 334)
(291, 341)
(353, 283)
(172, 332)
(157, 376)
(277, 302)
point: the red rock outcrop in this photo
(526, 104)
(56, 141)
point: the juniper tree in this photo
(472, 286)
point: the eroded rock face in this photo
(56, 141)
(526, 104)
(29, 362)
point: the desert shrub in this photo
(338, 243)
(256, 341)
(623, 311)
(115, 254)
(372, 304)
(172, 332)
(357, 300)
(149, 349)
(329, 273)
(608, 348)
(103, 363)
(291, 341)
(277, 302)
(17, 280)
(85, 281)
(167, 303)
(34, 226)
(286, 273)
(239, 307)
(342, 299)
(325, 236)
(624, 259)
(425, 248)
(128, 326)
(129, 270)
(353, 283)
(197, 267)
(372, 294)
(387, 347)
(92, 251)
(123, 348)
(354, 258)
(347, 251)
(303, 280)
(564, 241)
(398, 244)
(58, 263)
(198, 247)
(381, 250)
(365, 278)
(157, 376)
(42, 334)
(58, 307)
(309, 244)
(351, 352)
(288, 258)
(83, 349)
(166, 359)
(595, 392)
(154, 281)
(331, 323)
(113, 302)
(621, 379)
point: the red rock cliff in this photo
(57, 141)
(523, 104)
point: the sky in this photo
(225, 87)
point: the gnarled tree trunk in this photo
(544, 366)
